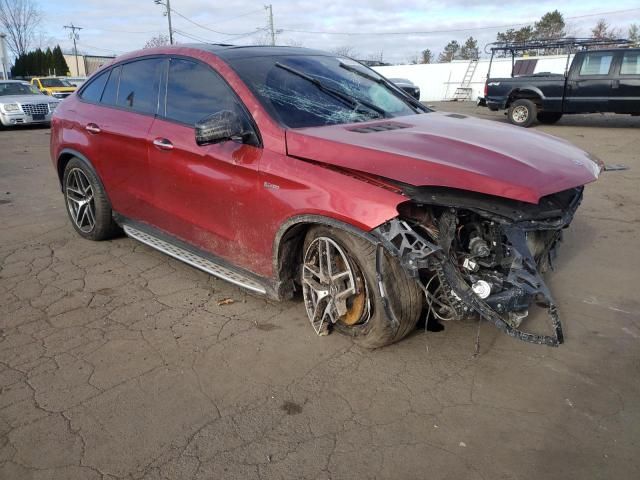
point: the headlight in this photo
(11, 107)
(52, 106)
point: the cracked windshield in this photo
(311, 91)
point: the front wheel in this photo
(341, 291)
(522, 112)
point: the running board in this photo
(195, 260)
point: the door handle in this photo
(615, 83)
(163, 144)
(93, 128)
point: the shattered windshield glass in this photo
(314, 90)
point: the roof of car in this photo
(13, 81)
(229, 52)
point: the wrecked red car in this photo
(287, 170)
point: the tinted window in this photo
(110, 93)
(93, 91)
(596, 64)
(139, 82)
(630, 63)
(195, 91)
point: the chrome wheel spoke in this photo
(328, 284)
(79, 195)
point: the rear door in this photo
(626, 83)
(590, 81)
(118, 131)
(204, 195)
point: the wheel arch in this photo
(528, 92)
(289, 241)
(65, 156)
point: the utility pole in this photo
(271, 29)
(168, 14)
(74, 36)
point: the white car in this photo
(23, 104)
(75, 81)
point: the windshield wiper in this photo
(416, 105)
(350, 100)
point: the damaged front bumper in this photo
(476, 255)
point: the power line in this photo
(457, 30)
(207, 28)
(205, 40)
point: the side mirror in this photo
(219, 127)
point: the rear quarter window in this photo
(110, 94)
(93, 90)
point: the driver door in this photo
(203, 195)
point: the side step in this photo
(195, 260)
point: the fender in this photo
(68, 154)
(526, 89)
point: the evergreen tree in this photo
(450, 52)
(59, 63)
(551, 25)
(426, 56)
(49, 60)
(470, 50)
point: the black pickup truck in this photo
(597, 81)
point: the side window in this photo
(596, 63)
(194, 91)
(110, 93)
(630, 63)
(93, 91)
(138, 88)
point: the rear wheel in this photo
(341, 291)
(522, 112)
(87, 203)
(549, 118)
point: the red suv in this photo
(287, 169)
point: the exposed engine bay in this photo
(476, 254)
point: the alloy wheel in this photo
(334, 289)
(80, 200)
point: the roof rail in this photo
(569, 43)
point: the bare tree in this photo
(345, 51)
(602, 31)
(634, 34)
(157, 41)
(19, 19)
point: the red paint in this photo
(232, 199)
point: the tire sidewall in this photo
(531, 110)
(379, 330)
(103, 227)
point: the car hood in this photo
(450, 150)
(36, 98)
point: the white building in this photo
(439, 81)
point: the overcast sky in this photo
(118, 26)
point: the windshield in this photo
(11, 88)
(311, 91)
(54, 82)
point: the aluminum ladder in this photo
(464, 91)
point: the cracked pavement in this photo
(117, 361)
